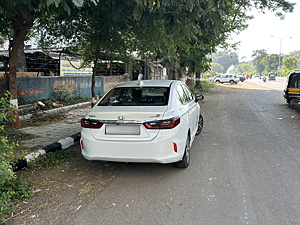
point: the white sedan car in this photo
(152, 121)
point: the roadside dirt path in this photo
(62, 190)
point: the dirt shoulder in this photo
(63, 189)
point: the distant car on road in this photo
(150, 121)
(257, 75)
(272, 76)
(232, 79)
(241, 77)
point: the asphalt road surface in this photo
(245, 169)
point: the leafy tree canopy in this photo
(271, 62)
(225, 59)
(258, 55)
(290, 63)
(188, 30)
(216, 67)
(296, 54)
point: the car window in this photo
(188, 93)
(146, 96)
(294, 81)
(182, 95)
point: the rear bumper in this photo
(158, 150)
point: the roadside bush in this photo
(53, 158)
(10, 186)
(204, 84)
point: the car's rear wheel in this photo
(231, 82)
(185, 162)
(200, 124)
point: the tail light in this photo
(175, 147)
(81, 144)
(163, 124)
(87, 123)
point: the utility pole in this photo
(279, 56)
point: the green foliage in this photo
(243, 68)
(63, 95)
(290, 63)
(16, 188)
(216, 67)
(206, 75)
(226, 60)
(271, 62)
(295, 54)
(53, 158)
(10, 187)
(258, 55)
(264, 63)
(88, 29)
(6, 109)
(206, 86)
(285, 72)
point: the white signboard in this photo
(72, 67)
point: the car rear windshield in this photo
(136, 96)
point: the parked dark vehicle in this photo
(241, 77)
(292, 90)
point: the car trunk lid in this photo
(125, 123)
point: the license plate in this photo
(121, 129)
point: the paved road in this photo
(279, 84)
(245, 169)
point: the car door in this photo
(193, 109)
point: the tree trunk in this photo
(198, 83)
(12, 82)
(20, 27)
(21, 59)
(173, 71)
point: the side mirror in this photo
(199, 97)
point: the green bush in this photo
(53, 158)
(204, 84)
(10, 186)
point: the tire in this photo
(231, 82)
(185, 162)
(293, 101)
(217, 81)
(200, 125)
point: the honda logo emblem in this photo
(121, 118)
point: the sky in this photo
(261, 29)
